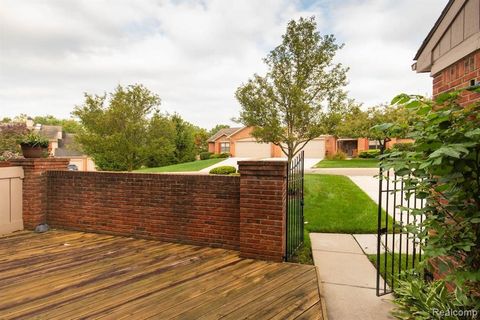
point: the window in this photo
(373, 145)
(225, 147)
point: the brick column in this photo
(35, 187)
(263, 189)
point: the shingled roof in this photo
(224, 132)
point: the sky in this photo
(195, 54)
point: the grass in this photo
(352, 163)
(184, 167)
(388, 275)
(334, 204)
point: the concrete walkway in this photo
(347, 279)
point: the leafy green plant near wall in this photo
(444, 166)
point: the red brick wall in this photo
(35, 187)
(262, 209)
(458, 76)
(193, 209)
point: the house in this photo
(62, 145)
(451, 50)
(240, 143)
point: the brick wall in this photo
(193, 209)
(262, 209)
(245, 213)
(458, 76)
(35, 187)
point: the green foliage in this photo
(225, 170)
(369, 154)
(443, 166)
(115, 135)
(205, 155)
(185, 148)
(417, 300)
(217, 128)
(160, 145)
(68, 125)
(220, 155)
(287, 105)
(10, 136)
(33, 139)
(340, 155)
(403, 147)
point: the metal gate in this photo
(397, 249)
(295, 201)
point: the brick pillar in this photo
(35, 187)
(263, 189)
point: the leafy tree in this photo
(115, 131)
(68, 125)
(201, 140)
(380, 123)
(443, 167)
(10, 134)
(288, 105)
(161, 141)
(184, 140)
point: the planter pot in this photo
(34, 152)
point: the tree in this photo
(68, 125)
(184, 140)
(10, 134)
(116, 135)
(379, 123)
(161, 141)
(288, 105)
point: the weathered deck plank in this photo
(75, 275)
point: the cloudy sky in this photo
(194, 54)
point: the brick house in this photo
(239, 143)
(451, 50)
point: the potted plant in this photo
(34, 145)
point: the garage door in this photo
(315, 149)
(252, 149)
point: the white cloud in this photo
(194, 54)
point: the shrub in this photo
(340, 155)
(369, 154)
(219, 155)
(225, 170)
(205, 155)
(33, 139)
(403, 146)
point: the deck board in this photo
(75, 275)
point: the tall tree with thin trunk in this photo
(289, 105)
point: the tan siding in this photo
(457, 29)
(445, 44)
(472, 17)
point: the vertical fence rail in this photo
(295, 202)
(397, 249)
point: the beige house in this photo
(451, 50)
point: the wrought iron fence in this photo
(295, 202)
(397, 248)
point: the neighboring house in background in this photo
(451, 50)
(62, 145)
(239, 143)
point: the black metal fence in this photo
(397, 248)
(295, 201)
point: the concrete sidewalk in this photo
(347, 279)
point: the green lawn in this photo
(334, 204)
(352, 163)
(183, 167)
(396, 262)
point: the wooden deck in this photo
(73, 275)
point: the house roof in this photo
(434, 28)
(224, 132)
(67, 147)
(50, 132)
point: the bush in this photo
(225, 170)
(219, 155)
(369, 154)
(205, 155)
(34, 139)
(403, 146)
(340, 155)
